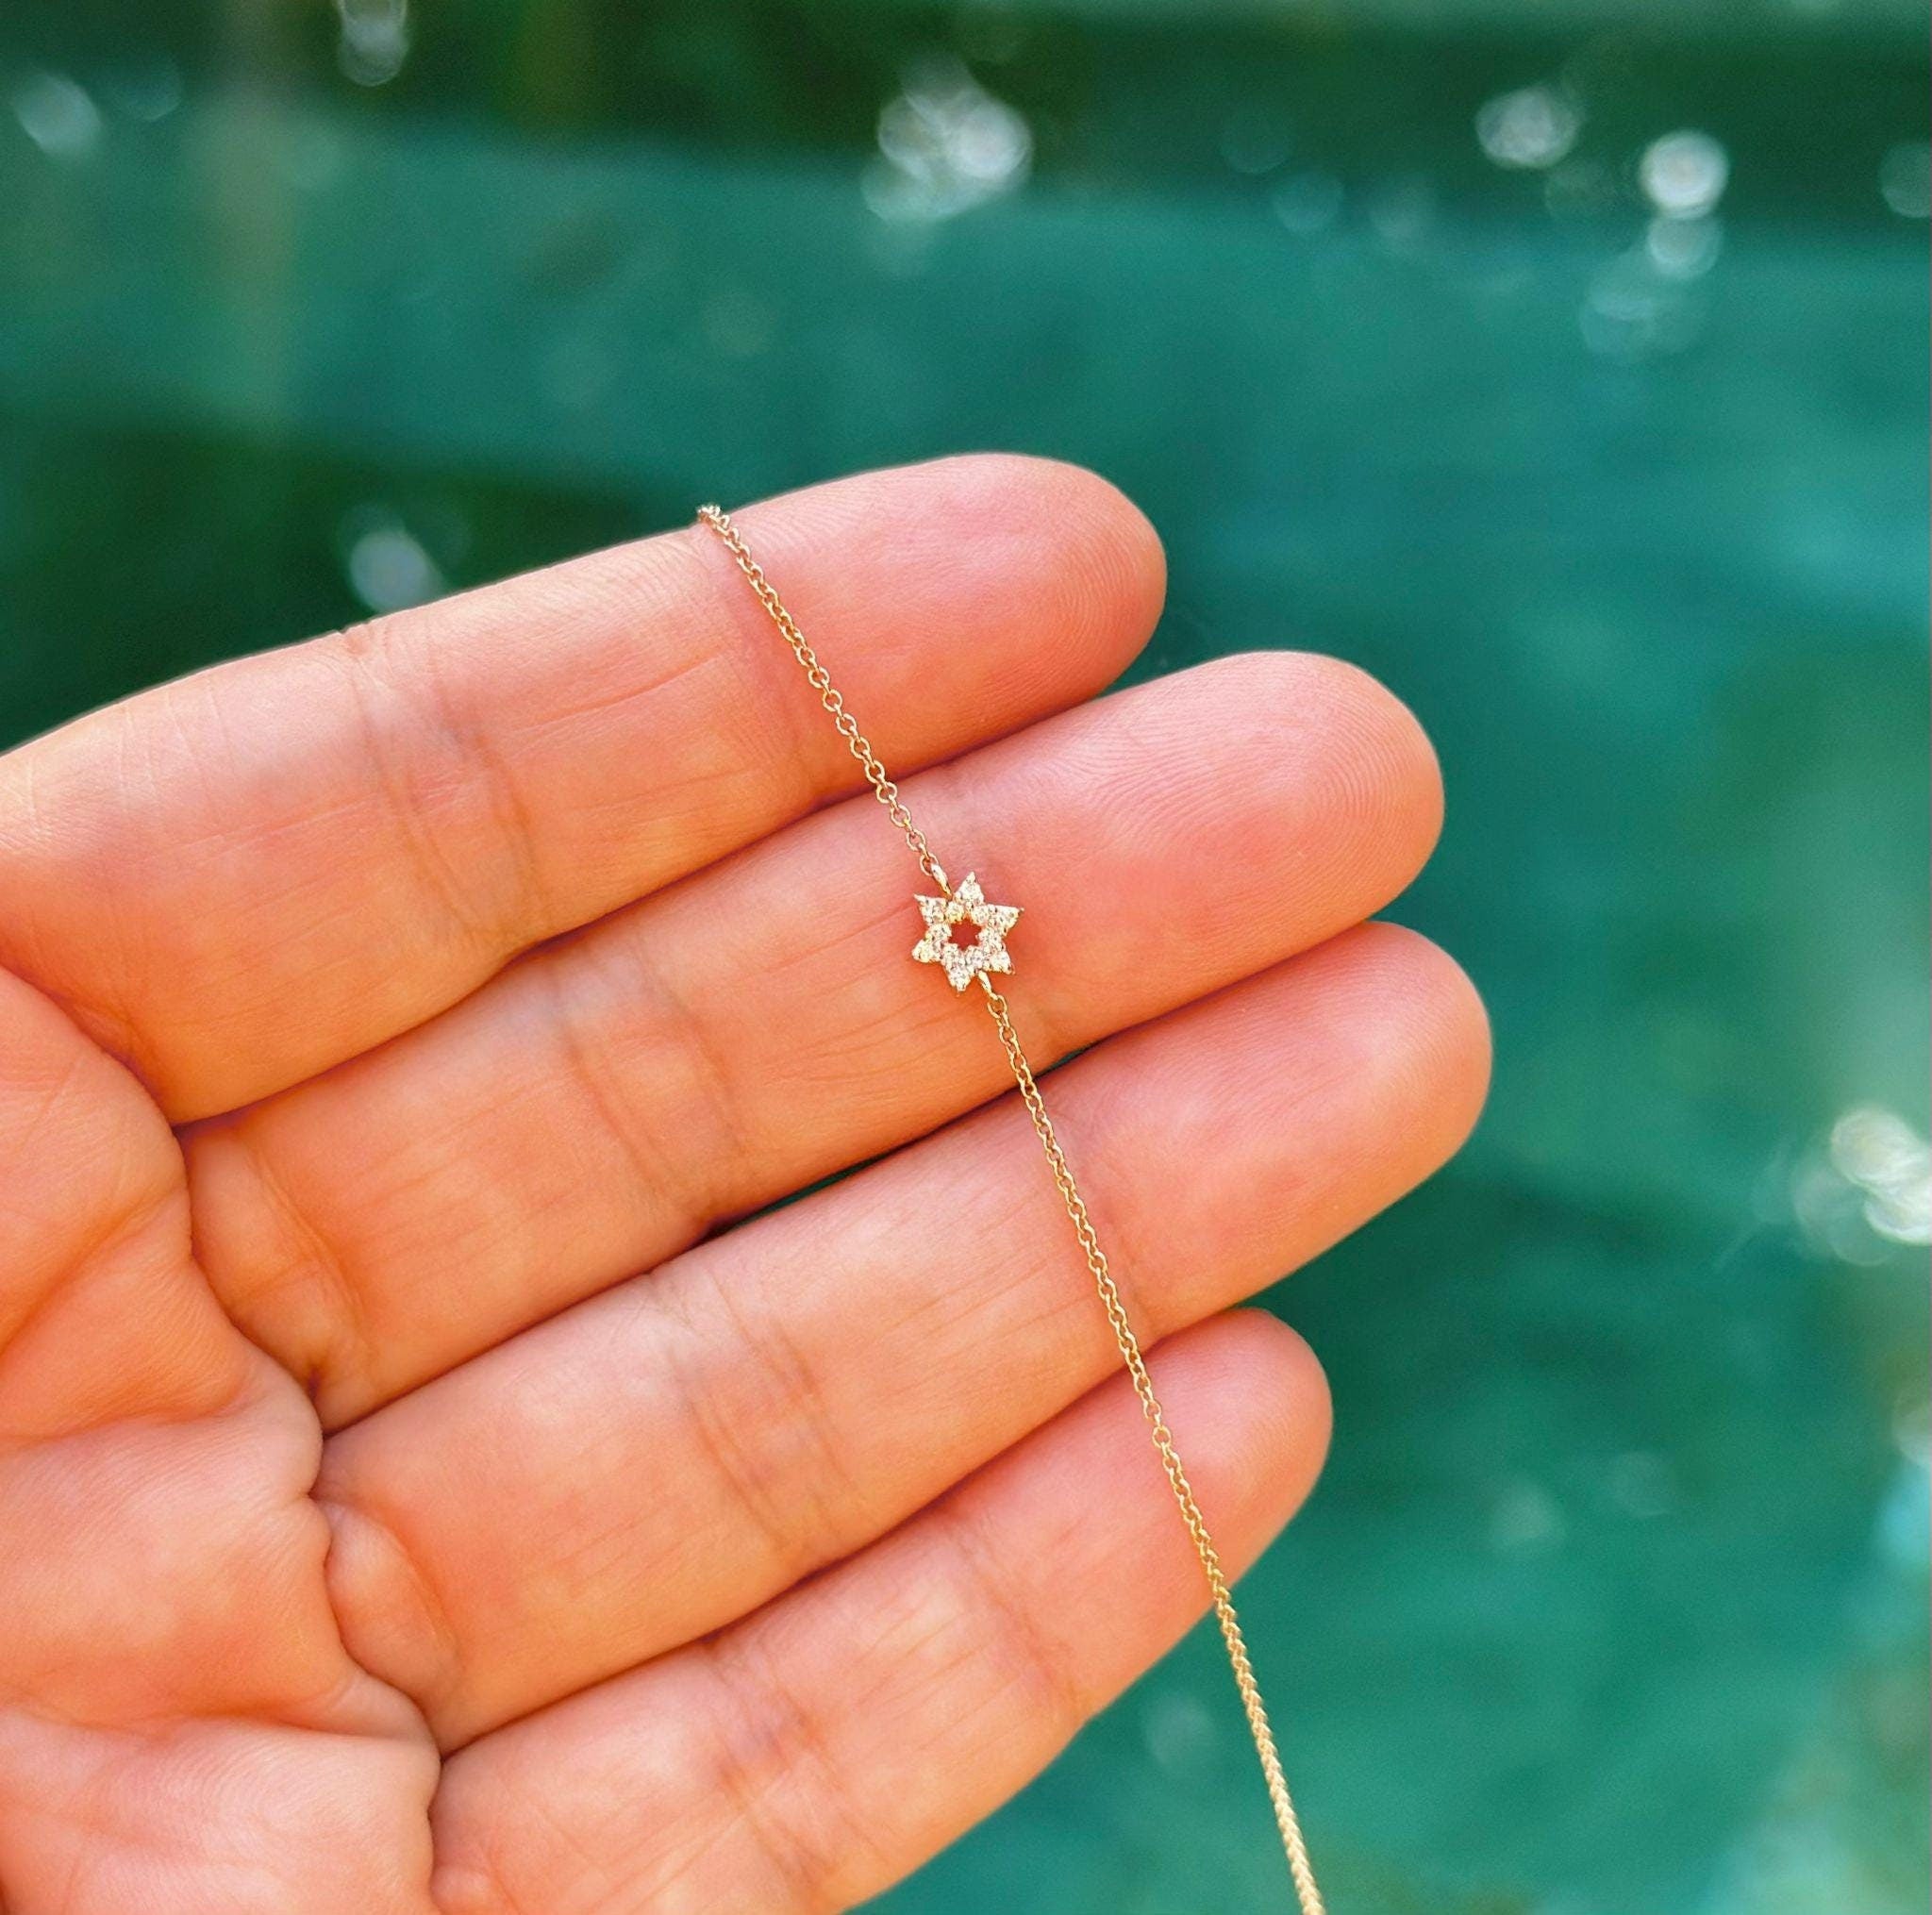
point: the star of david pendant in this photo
(984, 952)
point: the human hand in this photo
(412, 1498)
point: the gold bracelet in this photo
(980, 958)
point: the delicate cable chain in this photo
(821, 681)
(1122, 1328)
(1110, 1299)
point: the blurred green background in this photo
(1562, 361)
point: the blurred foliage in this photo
(1608, 456)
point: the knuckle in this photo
(772, 1760)
(773, 1443)
(1013, 1630)
(386, 1607)
(276, 1271)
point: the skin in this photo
(420, 1492)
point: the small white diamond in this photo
(968, 904)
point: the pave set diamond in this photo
(987, 952)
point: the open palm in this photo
(412, 1498)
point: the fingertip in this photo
(1393, 753)
(1116, 560)
(1380, 783)
(1061, 554)
(1429, 1020)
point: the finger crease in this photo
(402, 1573)
(454, 891)
(811, 1867)
(1041, 1661)
(342, 1346)
(800, 1521)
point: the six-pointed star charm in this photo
(967, 906)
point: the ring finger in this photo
(673, 1454)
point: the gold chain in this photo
(821, 681)
(1110, 1300)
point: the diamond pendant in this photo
(984, 952)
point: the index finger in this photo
(242, 879)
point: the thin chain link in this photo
(1111, 1301)
(821, 681)
(1122, 1328)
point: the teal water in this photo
(1613, 1599)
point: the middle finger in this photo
(609, 1100)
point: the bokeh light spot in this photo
(1904, 179)
(57, 114)
(1683, 175)
(1534, 127)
